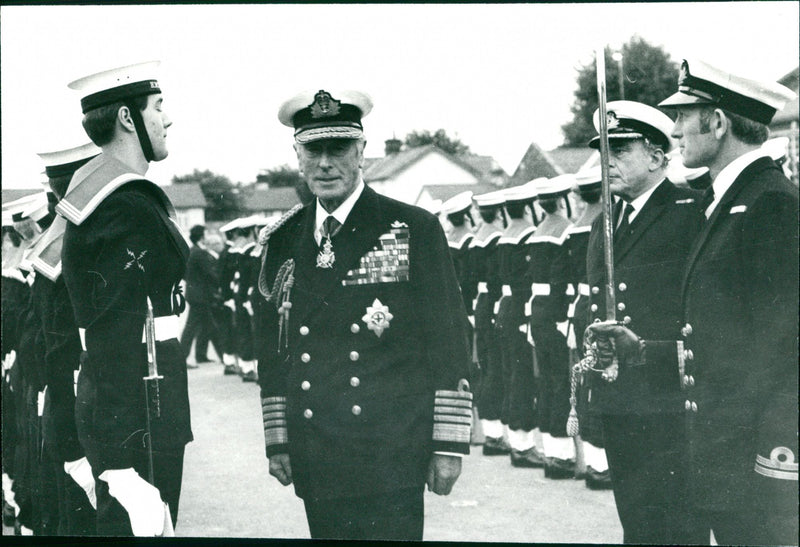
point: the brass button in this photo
(687, 405)
(354, 328)
(686, 379)
(621, 306)
(686, 330)
(694, 406)
(304, 330)
(691, 380)
(688, 354)
(594, 307)
(596, 320)
(354, 381)
(627, 320)
(308, 414)
(356, 410)
(305, 358)
(354, 356)
(595, 290)
(306, 385)
(623, 287)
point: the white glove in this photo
(230, 304)
(248, 306)
(572, 342)
(562, 327)
(9, 360)
(8, 493)
(471, 320)
(81, 473)
(140, 499)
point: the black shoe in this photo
(8, 515)
(250, 376)
(192, 365)
(527, 458)
(201, 360)
(230, 370)
(555, 468)
(598, 480)
(493, 446)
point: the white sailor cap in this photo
(326, 115)
(117, 84)
(37, 208)
(490, 199)
(586, 178)
(523, 192)
(227, 227)
(59, 163)
(7, 220)
(244, 222)
(459, 203)
(17, 206)
(705, 84)
(632, 120)
(434, 207)
(556, 186)
(777, 148)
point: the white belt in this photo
(166, 328)
(540, 289)
(506, 290)
(482, 288)
(583, 289)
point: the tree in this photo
(219, 191)
(440, 139)
(649, 77)
(281, 176)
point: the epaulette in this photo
(267, 231)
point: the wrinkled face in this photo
(695, 138)
(156, 122)
(629, 167)
(331, 168)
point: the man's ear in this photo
(361, 145)
(720, 124)
(125, 120)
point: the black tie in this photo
(625, 223)
(707, 199)
(330, 227)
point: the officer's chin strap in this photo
(141, 131)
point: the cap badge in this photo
(684, 73)
(377, 317)
(611, 120)
(324, 106)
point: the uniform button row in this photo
(688, 354)
(354, 328)
(690, 405)
(688, 380)
(306, 358)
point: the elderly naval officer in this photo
(363, 350)
(737, 349)
(121, 251)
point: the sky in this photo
(496, 76)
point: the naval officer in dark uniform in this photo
(736, 355)
(641, 412)
(121, 250)
(364, 355)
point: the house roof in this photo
(484, 168)
(538, 163)
(13, 194)
(256, 198)
(572, 158)
(186, 195)
(446, 191)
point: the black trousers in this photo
(200, 324)
(76, 515)
(517, 356)
(397, 515)
(648, 476)
(552, 354)
(112, 518)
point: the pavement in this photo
(228, 492)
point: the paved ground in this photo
(227, 491)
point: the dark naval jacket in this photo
(121, 247)
(363, 379)
(648, 263)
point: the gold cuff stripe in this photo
(451, 434)
(453, 419)
(457, 410)
(453, 402)
(776, 474)
(778, 465)
(272, 416)
(276, 435)
(454, 394)
(681, 364)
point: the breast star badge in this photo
(377, 317)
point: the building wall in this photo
(432, 169)
(190, 217)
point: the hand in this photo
(139, 498)
(248, 306)
(281, 468)
(443, 471)
(626, 342)
(81, 473)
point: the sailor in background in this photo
(514, 254)
(737, 350)
(591, 429)
(365, 352)
(549, 274)
(121, 250)
(492, 397)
